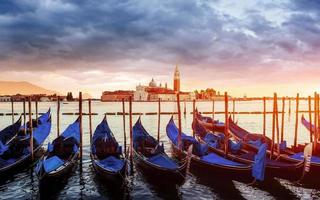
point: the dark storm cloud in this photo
(195, 33)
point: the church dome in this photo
(152, 83)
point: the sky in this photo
(243, 47)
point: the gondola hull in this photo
(61, 173)
(22, 163)
(210, 171)
(110, 176)
(311, 178)
(161, 175)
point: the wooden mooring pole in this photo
(24, 116)
(58, 116)
(226, 128)
(80, 124)
(310, 117)
(30, 128)
(179, 122)
(264, 116)
(282, 118)
(36, 104)
(130, 124)
(12, 110)
(297, 121)
(124, 126)
(90, 120)
(159, 118)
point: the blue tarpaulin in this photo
(52, 163)
(163, 161)
(42, 132)
(3, 148)
(172, 133)
(102, 131)
(283, 145)
(111, 163)
(300, 156)
(259, 165)
(45, 117)
(212, 140)
(256, 143)
(73, 130)
(235, 146)
(216, 159)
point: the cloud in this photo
(143, 36)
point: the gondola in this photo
(8, 134)
(209, 123)
(215, 142)
(306, 124)
(106, 154)
(207, 164)
(151, 158)
(287, 154)
(62, 156)
(18, 149)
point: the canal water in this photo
(86, 185)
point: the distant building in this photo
(176, 80)
(5, 98)
(153, 92)
(116, 95)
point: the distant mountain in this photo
(25, 88)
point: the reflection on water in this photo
(86, 184)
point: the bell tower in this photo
(176, 80)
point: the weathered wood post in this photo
(185, 109)
(310, 118)
(12, 110)
(273, 128)
(193, 113)
(130, 123)
(36, 104)
(315, 132)
(30, 129)
(24, 116)
(159, 118)
(282, 118)
(233, 109)
(297, 121)
(226, 129)
(179, 121)
(124, 126)
(58, 116)
(213, 109)
(80, 124)
(90, 120)
(264, 116)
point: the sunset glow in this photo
(253, 48)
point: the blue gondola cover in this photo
(3, 148)
(300, 156)
(111, 163)
(256, 143)
(52, 163)
(73, 130)
(259, 165)
(163, 161)
(216, 159)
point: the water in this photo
(86, 185)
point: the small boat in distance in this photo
(151, 158)
(106, 154)
(62, 155)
